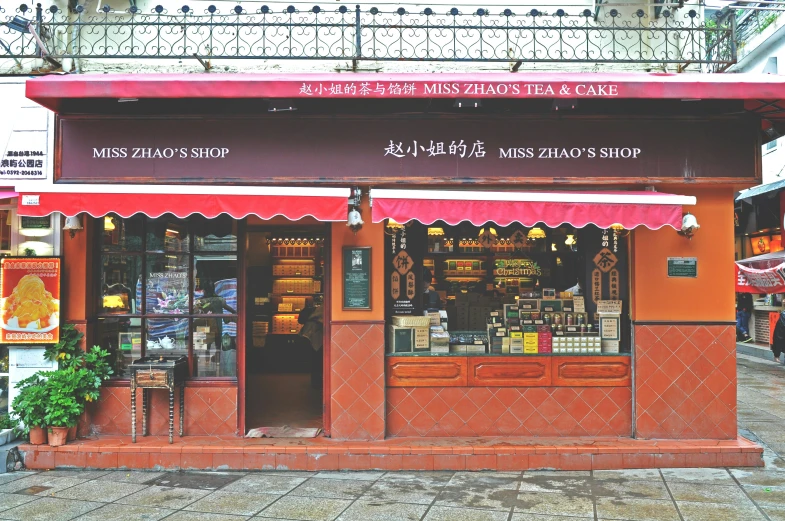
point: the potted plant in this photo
(29, 407)
(7, 429)
(64, 404)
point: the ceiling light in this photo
(536, 233)
(437, 231)
(570, 240)
(108, 224)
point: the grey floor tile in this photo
(203, 516)
(267, 483)
(765, 477)
(221, 502)
(76, 473)
(382, 511)
(763, 495)
(559, 473)
(708, 476)
(348, 474)
(125, 513)
(421, 476)
(564, 485)
(14, 500)
(53, 484)
(306, 508)
(539, 517)
(335, 488)
(631, 489)
(707, 493)
(164, 497)
(636, 509)
(629, 474)
(403, 492)
(475, 490)
(774, 513)
(713, 512)
(131, 476)
(104, 491)
(554, 504)
(197, 480)
(50, 509)
(437, 513)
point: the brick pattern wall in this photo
(759, 325)
(685, 381)
(509, 411)
(209, 411)
(357, 381)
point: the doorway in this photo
(285, 324)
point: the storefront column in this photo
(357, 342)
(684, 332)
(77, 277)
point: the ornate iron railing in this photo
(678, 37)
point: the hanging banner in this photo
(750, 280)
(30, 300)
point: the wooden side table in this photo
(150, 373)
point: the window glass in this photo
(219, 234)
(5, 230)
(167, 284)
(121, 284)
(122, 337)
(215, 284)
(167, 337)
(121, 234)
(215, 347)
(167, 233)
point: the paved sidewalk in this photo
(635, 495)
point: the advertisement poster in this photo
(30, 300)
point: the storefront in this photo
(562, 297)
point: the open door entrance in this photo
(285, 321)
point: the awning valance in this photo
(324, 204)
(760, 280)
(603, 209)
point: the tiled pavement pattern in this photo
(634, 495)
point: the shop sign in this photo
(418, 89)
(36, 223)
(517, 268)
(686, 267)
(505, 150)
(749, 280)
(356, 277)
(23, 135)
(30, 300)
(609, 306)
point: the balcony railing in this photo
(675, 37)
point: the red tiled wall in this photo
(685, 381)
(509, 411)
(357, 381)
(208, 411)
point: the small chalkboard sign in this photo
(356, 277)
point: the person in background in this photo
(431, 298)
(312, 319)
(743, 312)
(778, 338)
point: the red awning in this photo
(603, 209)
(50, 90)
(324, 204)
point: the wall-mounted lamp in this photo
(25, 26)
(72, 224)
(281, 105)
(564, 104)
(467, 103)
(689, 225)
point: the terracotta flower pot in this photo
(71, 433)
(37, 435)
(58, 436)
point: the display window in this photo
(506, 290)
(159, 279)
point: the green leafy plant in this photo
(64, 402)
(66, 352)
(30, 404)
(6, 422)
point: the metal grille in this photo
(678, 37)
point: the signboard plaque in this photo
(30, 300)
(356, 277)
(686, 267)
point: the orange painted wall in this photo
(710, 296)
(76, 272)
(370, 235)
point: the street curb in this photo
(754, 350)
